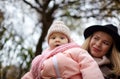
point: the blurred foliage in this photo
(16, 46)
(74, 9)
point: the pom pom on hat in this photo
(58, 26)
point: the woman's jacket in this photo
(105, 66)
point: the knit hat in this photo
(109, 28)
(58, 26)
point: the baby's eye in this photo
(52, 37)
(61, 37)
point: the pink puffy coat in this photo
(72, 63)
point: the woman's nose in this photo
(98, 43)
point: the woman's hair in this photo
(85, 45)
(114, 57)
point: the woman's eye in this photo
(106, 43)
(96, 38)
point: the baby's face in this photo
(57, 39)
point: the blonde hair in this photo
(85, 45)
(114, 57)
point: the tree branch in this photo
(37, 2)
(37, 9)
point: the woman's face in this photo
(100, 44)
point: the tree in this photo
(76, 9)
(73, 12)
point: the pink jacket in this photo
(72, 62)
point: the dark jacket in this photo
(106, 68)
(107, 72)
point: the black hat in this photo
(109, 28)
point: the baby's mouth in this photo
(57, 45)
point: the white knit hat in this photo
(58, 26)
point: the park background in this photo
(24, 24)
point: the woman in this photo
(103, 43)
